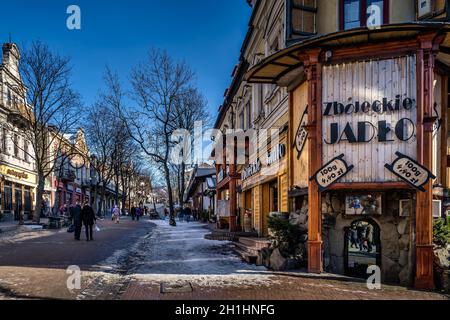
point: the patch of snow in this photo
(179, 254)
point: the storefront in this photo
(17, 193)
(265, 187)
(368, 125)
(227, 199)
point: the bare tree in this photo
(190, 109)
(52, 110)
(157, 84)
(100, 130)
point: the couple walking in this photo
(82, 216)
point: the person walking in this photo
(166, 213)
(188, 213)
(138, 213)
(133, 213)
(75, 216)
(354, 238)
(89, 219)
(116, 214)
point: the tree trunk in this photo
(39, 198)
(169, 191)
(57, 203)
(102, 198)
(124, 194)
(116, 190)
(182, 183)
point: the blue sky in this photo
(207, 34)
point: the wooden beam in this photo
(313, 69)
(444, 130)
(370, 186)
(424, 218)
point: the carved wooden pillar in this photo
(233, 185)
(425, 121)
(313, 70)
(233, 205)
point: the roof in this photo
(279, 67)
(199, 175)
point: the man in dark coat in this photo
(133, 213)
(88, 216)
(75, 215)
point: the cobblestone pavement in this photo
(153, 261)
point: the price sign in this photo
(410, 171)
(333, 171)
(302, 134)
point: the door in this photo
(362, 247)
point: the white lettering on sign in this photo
(277, 154)
(251, 170)
(410, 171)
(333, 171)
(369, 112)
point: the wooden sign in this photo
(369, 109)
(332, 172)
(410, 171)
(302, 134)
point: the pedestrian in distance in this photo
(138, 213)
(116, 214)
(354, 238)
(187, 213)
(75, 216)
(88, 216)
(133, 213)
(166, 213)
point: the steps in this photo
(249, 248)
(221, 235)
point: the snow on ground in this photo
(24, 234)
(181, 254)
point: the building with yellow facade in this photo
(18, 178)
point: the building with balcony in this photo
(18, 178)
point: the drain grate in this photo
(176, 287)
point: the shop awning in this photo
(286, 64)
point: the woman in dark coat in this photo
(89, 218)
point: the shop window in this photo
(355, 13)
(274, 197)
(18, 204)
(8, 197)
(27, 200)
(301, 19)
(362, 247)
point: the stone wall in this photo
(395, 235)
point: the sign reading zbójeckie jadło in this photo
(369, 112)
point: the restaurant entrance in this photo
(362, 247)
